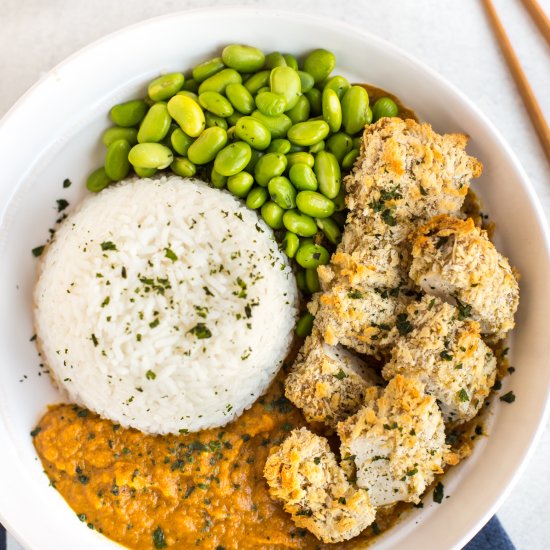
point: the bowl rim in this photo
(540, 219)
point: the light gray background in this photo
(450, 35)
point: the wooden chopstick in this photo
(539, 17)
(529, 100)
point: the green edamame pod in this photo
(253, 132)
(187, 93)
(279, 146)
(369, 115)
(291, 61)
(299, 223)
(384, 107)
(339, 84)
(282, 192)
(240, 184)
(183, 167)
(340, 200)
(205, 148)
(274, 59)
(277, 125)
(332, 110)
(256, 197)
(117, 132)
(98, 180)
(328, 174)
(315, 102)
(349, 159)
(272, 214)
(311, 256)
(354, 109)
(154, 127)
(188, 114)
(286, 82)
(212, 120)
(216, 103)
(330, 229)
(190, 85)
(233, 158)
(303, 177)
(130, 113)
(245, 59)
(339, 145)
(312, 280)
(180, 141)
(220, 81)
(314, 204)
(300, 157)
(301, 281)
(308, 133)
(269, 166)
(290, 243)
(319, 146)
(257, 81)
(150, 155)
(319, 64)
(165, 86)
(240, 98)
(217, 180)
(234, 118)
(304, 326)
(207, 69)
(256, 155)
(270, 103)
(306, 81)
(116, 160)
(144, 172)
(300, 111)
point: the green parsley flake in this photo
(38, 251)
(158, 538)
(108, 245)
(170, 254)
(439, 492)
(150, 375)
(508, 397)
(340, 375)
(403, 325)
(355, 294)
(463, 395)
(201, 331)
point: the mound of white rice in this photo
(164, 305)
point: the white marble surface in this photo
(450, 35)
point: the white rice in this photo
(184, 325)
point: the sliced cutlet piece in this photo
(446, 353)
(407, 173)
(455, 260)
(303, 473)
(395, 444)
(328, 382)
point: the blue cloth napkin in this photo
(491, 537)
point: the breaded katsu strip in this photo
(407, 173)
(396, 443)
(327, 382)
(446, 353)
(455, 260)
(304, 474)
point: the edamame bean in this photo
(165, 86)
(277, 125)
(356, 141)
(155, 125)
(116, 160)
(300, 157)
(240, 98)
(300, 111)
(256, 155)
(240, 184)
(98, 180)
(339, 145)
(253, 132)
(264, 89)
(304, 326)
(279, 146)
(349, 159)
(330, 229)
(282, 192)
(274, 59)
(308, 133)
(233, 158)
(312, 281)
(190, 85)
(188, 114)
(231, 135)
(216, 104)
(257, 81)
(332, 110)
(205, 148)
(306, 81)
(339, 84)
(270, 104)
(384, 107)
(187, 93)
(117, 132)
(286, 82)
(290, 243)
(150, 155)
(130, 113)
(217, 180)
(299, 223)
(144, 172)
(219, 81)
(180, 141)
(369, 115)
(291, 61)
(207, 69)
(256, 197)
(234, 118)
(328, 174)
(311, 256)
(245, 59)
(314, 204)
(354, 109)
(183, 167)
(303, 177)
(212, 120)
(319, 64)
(269, 166)
(297, 148)
(319, 146)
(301, 281)
(272, 214)
(315, 102)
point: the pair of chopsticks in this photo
(531, 104)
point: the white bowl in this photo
(52, 133)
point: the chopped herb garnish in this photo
(389, 218)
(94, 340)
(463, 395)
(317, 460)
(342, 500)
(355, 294)
(375, 528)
(158, 538)
(36, 431)
(201, 331)
(150, 375)
(170, 254)
(83, 479)
(340, 375)
(67, 183)
(306, 512)
(403, 325)
(155, 323)
(464, 310)
(61, 205)
(106, 301)
(412, 472)
(439, 492)
(108, 245)
(446, 356)
(508, 397)
(38, 250)
(207, 290)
